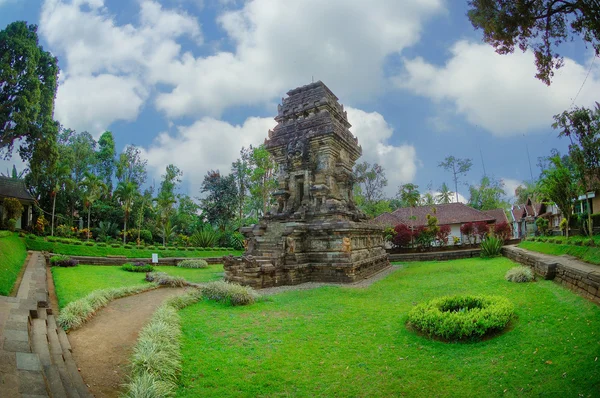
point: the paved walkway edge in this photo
(580, 277)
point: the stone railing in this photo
(580, 277)
(436, 256)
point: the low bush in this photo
(164, 279)
(519, 275)
(229, 293)
(181, 248)
(192, 264)
(89, 244)
(62, 261)
(115, 245)
(137, 267)
(171, 248)
(77, 243)
(455, 318)
(128, 247)
(151, 247)
(162, 248)
(77, 312)
(491, 247)
(190, 249)
(32, 236)
(101, 244)
(589, 243)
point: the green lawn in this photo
(588, 254)
(92, 251)
(348, 342)
(12, 259)
(76, 282)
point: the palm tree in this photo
(94, 188)
(165, 201)
(410, 196)
(445, 195)
(125, 193)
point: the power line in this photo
(584, 80)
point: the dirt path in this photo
(102, 347)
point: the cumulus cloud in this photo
(498, 92)
(373, 133)
(510, 185)
(278, 45)
(99, 56)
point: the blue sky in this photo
(192, 81)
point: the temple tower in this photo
(315, 232)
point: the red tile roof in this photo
(497, 214)
(451, 213)
(386, 220)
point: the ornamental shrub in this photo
(77, 243)
(192, 264)
(101, 244)
(89, 243)
(542, 225)
(13, 209)
(138, 266)
(11, 224)
(402, 236)
(128, 247)
(502, 230)
(62, 261)
(207, 237)
(115, 245)
(165, 279)
(481, 229)
(456, 318)
(519, 275)
(491, 247)
(442, 234)
(229, 293)
(468, 231)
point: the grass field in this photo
(588, 254)
(92, 251)
(76, 282)
(12, 259)
(346, 342)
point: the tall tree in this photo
(262, 178)
(527, 190)
(488, 195)
(445, 194)
(166, 199)
(28, 81)
(541, 25)
(105, 158)
(131, 167)
(458, 167)
(220, 204)
(582, 127)
(94, 187)
(372, 180)
(241, 171)
(410, 196)
(558, 185)
(125, 194)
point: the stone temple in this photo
(315, 233)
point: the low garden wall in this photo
(582, 278)
(120, 260)
(435, 255)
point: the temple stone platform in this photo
(315, 232)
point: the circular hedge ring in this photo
(461, 317)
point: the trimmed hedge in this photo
(164, 279)
(62, 261)
(137, 267)
(229, 293)
(192, 264)
(455, 318)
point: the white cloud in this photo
(279, 45)
(373, 133)
(498, 92)
(208, 144)
(93, 102)
(98, 56)
(510, 185)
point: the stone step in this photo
(59, 352)
(76, 379)
(39, 341)
(54, 382)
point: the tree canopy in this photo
(540, 25)
(28, 81)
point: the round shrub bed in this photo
(519, 275)
(455, 318)
(137, 267)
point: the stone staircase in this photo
(36, 352)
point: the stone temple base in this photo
(290, 253)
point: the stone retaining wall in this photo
(580, 277)
(436, 256)
(118, 260)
